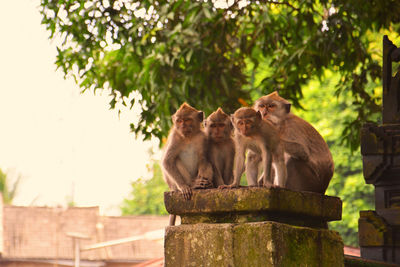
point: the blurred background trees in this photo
(8, 187)
(147, 196)
(324, 56)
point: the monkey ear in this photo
(232, 117)
(287, 107)
(200, 116)
(230, 125)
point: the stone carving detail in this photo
(379, 230)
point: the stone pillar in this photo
(253, 226)
(379, 230)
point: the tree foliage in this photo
(175, 51)
(147, 196)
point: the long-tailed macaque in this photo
(184, 162)
(221, 148)
(261, 137)
(308, 160)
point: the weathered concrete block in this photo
(199, 245)
(252, 204)
(378, 238)
(251, 244)
(373, 231)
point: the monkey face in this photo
(218, 126)
(245, 126)
(266, 108)
(187, 120)
(217, 131)
(246, 120)
(272, 105)
(185, 125)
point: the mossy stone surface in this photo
(248, 204)
(252, 244)
(199, 245)
(373, 230)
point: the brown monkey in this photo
(308, 160)
(221, 148)
(261, 137)
(184, 162)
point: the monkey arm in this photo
(171, 165)
(184, 172)
(218, 177)
(267, 163)
(228, 168)
(205, 176)
(205, 170)
(174, 174)
(253, 160)
(278, 160)
(217, 156)
(239, 165)
(205, 167)
(296, 150)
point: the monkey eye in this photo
(261, 105)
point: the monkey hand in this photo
(186, 192)
(269, 185)
(202, 183)
(224, 186)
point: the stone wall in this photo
(253, 226)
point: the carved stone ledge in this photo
(255, 204)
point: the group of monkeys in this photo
(292, 153)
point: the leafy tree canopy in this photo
(208, 53)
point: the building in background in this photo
(41, 236)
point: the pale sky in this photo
(61, 142)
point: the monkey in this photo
(308, 160)
(184, 162)
(262, 137)
(221, 147)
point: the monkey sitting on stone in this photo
(184, 163)
(262, 137)
(308, 160)
(221, 147)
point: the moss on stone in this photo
(373, 230)
(252, 244)
(257, 203)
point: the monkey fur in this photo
(308, 160)
(184, 162)
(221, 147)
(260, 136)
